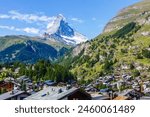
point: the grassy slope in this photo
(92, 64)
(7, 41)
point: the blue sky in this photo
(30, 17)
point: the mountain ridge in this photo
(128, 14)
(14, 47)
(60, 30)
(123, 47)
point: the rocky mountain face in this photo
(139, 13)
(60, 31)
(123, 47)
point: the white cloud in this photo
(77, 20)
(15, 15)
(39, 20)
(29, 30)
(3, 16)
(7, 27)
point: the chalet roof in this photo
(105, 90)
(23, 78)
(9, 94)
(125, 92)
(97, 96)
(49, 82)
(52, 93)
(8, 79)
(145, 98)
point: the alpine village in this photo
(63, 64)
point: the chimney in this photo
(12, 92)
(60, 90)
(68, 87)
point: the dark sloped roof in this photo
(10, 94)
(52, 93)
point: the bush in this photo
(136, 73)
(124, 51)
(139, 56)
(132, 66)
(146, 53)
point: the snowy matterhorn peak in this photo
(59, 30)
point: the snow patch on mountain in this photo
(60, 30)
(77, 38)
(53, 26)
